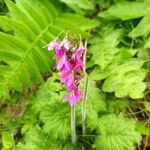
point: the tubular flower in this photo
(70, 67)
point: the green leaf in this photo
(147, 43)
(127, 80)
(147, 106)
(99, 74)
(7, 140)
(116, 133)
(53, 112)
(142, 29)
(36, 139)
(95, 103)
(117, 105)
(141, 127)
(86, 23)
(84, 4)
(125, 11)
(104, 49)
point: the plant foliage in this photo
(33, 114)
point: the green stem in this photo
(73, 125)
(84, 107)
(85, 94)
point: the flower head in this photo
(69, 65)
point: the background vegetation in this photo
(32, 114)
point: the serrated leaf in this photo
(127, 79)
(115, 132)
(52, 111)
(36, 139)
(104, 50)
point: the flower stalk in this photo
(71, 61)
(73, 125)
(85, 93)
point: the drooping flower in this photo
(70, 66)
(53, 45)
(63, 63)
(59, 53)
(65, 43)
(69, 81)
(80, 51)
(73, 97)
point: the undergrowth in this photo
(33, 114)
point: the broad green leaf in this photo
(37, 139)
(116, 105)
(104, 50)
(99, 74)
(125, 11)
(49, 101)
(126, 80)
(116, 133)
(8, 140)
(142, 29)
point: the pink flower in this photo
(69, 65)
(59, 53)
(64, 75)
(78, 65)
(65, 44)
(63, 64)
(53, 45)
(80, 52)
(73, 97)
(69, 81)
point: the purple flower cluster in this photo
(70, 67)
